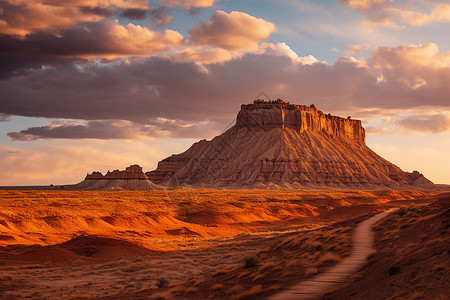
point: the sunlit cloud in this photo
(232, 31)
(190, 3)
(356, 49)
(397, 14)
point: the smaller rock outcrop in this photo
(132, 172)
(132, 178)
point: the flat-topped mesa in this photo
(266, 115)
(280, 145)
(131, 172)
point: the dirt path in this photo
(362, 247)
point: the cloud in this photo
(395, 14)
(142, 90)
(232, 31)
(413, 67)
(435, 123)
(366, 5)
(136, 14)
(117, 129)
(203, 55)
(160, 16)
(356, 49)
(190, 3)
(21, 17)
(106, 39)
(440, 13)
(25, 17)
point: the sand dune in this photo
(149, 218)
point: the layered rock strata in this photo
(132, 178)
(280, 145)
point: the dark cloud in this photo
(135, 14)
(117, 129)
(146, 89)
(161, 16)
(105, 12)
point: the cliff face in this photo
(266, 116)
(280, 145)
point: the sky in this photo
(99, 85)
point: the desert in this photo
(192, 244)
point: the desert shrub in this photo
(314, 246)
(401, 212)
(250, 262)
(393, 270)
(162, 283)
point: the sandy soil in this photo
(89, 244)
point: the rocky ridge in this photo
(132, 178)
(281, 145)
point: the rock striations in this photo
(280, 145)
(132, 178)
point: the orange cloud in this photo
(232, 31)
(22, 17)
(190, 3)
(130, 40)
(356, 49)
(106, 39)
(439, 13)
(392, 14)
(412, 66)
(203, 55)
(366, 5)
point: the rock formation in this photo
(280, 145)
(132, 178)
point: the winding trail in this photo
(363, 238)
